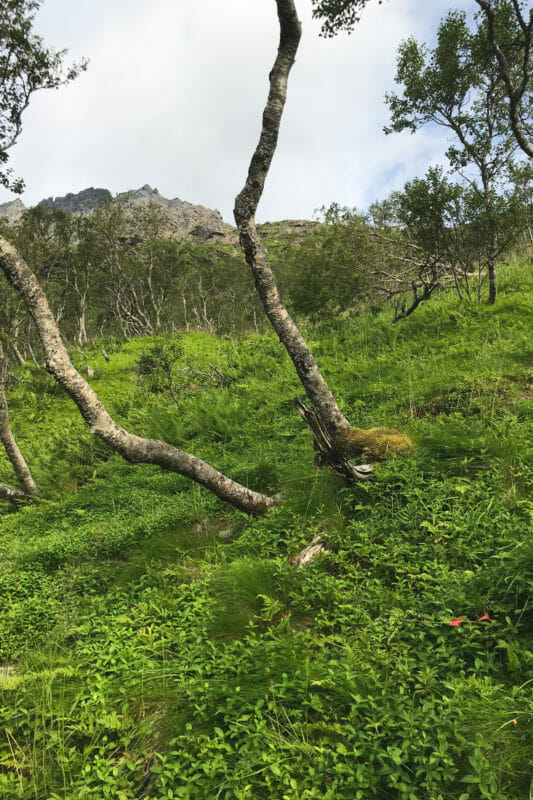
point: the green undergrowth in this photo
(155, 643)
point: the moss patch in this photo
(376, 444)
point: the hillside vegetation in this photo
(158, 644)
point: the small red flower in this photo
(484, 618)
(455, 622)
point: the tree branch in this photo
(12, 494)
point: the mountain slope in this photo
(156, 644)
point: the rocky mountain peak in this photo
(13, 210)
(145, 193)
(81, 203)
(185, 220)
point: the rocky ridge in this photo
(187, 221)
(81, 203)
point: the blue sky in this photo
(174, 92)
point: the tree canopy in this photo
(457, 85)
(26, 65)
(338, 15)
(509, 35)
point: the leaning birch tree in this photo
(28, 487)
(339, 444)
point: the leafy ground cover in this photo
(157, 644)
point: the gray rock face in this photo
(194, 222)
(185, 221)
(81, 203)
(13, 210)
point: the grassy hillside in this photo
(157, 644)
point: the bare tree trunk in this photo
(14, 342)
(492, 281)
(16, 458)
(133, 448)
(33, 357)
(325, 412)
(20, 358)
(82, 320)
(491, 263)
(245, 208)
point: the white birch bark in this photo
(21, 469)
(135, 449)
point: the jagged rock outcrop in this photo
(186, 220)
(12, 210)
(194, 223)
(80, 203)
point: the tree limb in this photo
(12, 494)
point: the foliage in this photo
(329, 272)
(443, 232)
(509, 40)
(456, 85)
(338, 15)
(162, 367)
(161, 644)
(118, 273)
(26, 65)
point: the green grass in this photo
(162, 645)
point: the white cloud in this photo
(174, 94)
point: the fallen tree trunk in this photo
(135, 449)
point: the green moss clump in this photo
(376, 444)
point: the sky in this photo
(173, 97)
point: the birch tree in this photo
(456, 86)
(27, 485)
(336, 440)
(509, 39)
